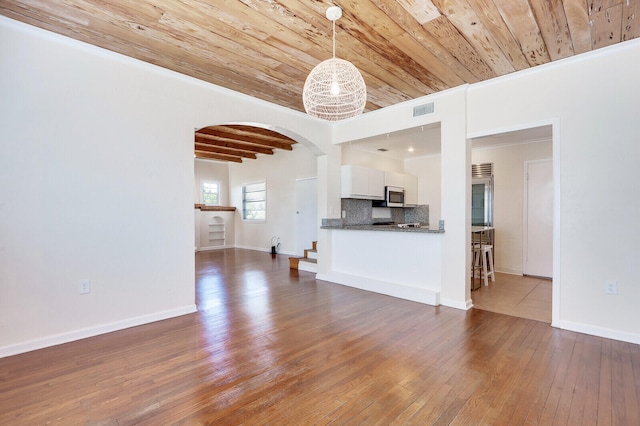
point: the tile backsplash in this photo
(360, 212)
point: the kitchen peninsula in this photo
(403, 262)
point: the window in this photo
(210, 194)
(254, 206)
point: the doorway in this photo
(538, 219)
(306, 214)
(519, 290)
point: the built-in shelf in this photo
(216, 231)
(206, 208)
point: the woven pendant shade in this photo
(335, 89)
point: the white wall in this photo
(428, 171)
(351, 155)
(593, 102)
(96, 182)
(364, 259)
(280, 171)
(211, 171)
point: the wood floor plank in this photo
(272, 346)
(630, 393)
(584, 408)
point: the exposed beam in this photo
(247, 137)
(203, 147)
(233, 144)
(222, 157)
(253, 131)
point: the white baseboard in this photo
(401, 291)
(209, 248)
(465, 306)
(508, 271)
(265, 249)
(58, 339)
(286, 253)
(607, 333)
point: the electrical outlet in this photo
(85, 287)
(611, 287)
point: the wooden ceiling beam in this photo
(247, 139)
(269, 134)
(222, 157)
(233, 144)
(239, 141)
(215, 149)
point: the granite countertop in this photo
(424, 229)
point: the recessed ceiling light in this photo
(410, 149)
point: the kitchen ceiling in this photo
(405, 49)
(404, 144)
(423, 141)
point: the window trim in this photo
(210, 182)
(244, 186)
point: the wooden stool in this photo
(484, 251)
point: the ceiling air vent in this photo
(482, 170)
(423, 109)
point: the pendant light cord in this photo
(334, 38)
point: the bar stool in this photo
(484, 251)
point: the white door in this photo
(306, 213)
(538, 215)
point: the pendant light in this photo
(335, 89)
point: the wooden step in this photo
(293, 262)
(311, 254)
(303, 264)
(308, 265)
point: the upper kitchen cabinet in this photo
(362, 182)
(410, 190)
(408, 182)
(394, 179)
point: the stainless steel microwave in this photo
(393, 197)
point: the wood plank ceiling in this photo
(404, 49)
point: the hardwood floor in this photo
(523, 297)
(270, 346)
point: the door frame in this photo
(525, 213)
(556, 142)
(300, 244)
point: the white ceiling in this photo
(425, 141)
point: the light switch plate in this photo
(84, 287)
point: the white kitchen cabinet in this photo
(408, 182)
(394, 179)
(410, 190)
(362, 182)
(376, 184)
